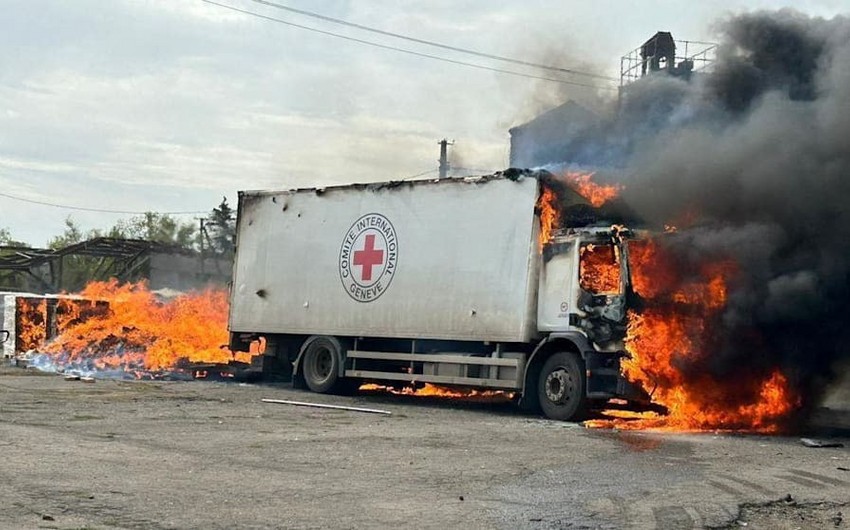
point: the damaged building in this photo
(69, 269)
(574, 135)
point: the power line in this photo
(433, 43)
(403, 50)
(475, 170)
(419, 174)
(97, 210)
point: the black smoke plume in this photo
(755, 155)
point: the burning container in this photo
(451, 281)
(32, 319)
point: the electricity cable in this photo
(419, 174)
(432, 43)
(404, 50)
(97, 210)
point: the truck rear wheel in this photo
(320, 365)
(561, 387)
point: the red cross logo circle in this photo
(368, 257)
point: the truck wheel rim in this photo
(322, 364)
(558, 386)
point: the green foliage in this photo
(72, 235)
(221, 229)
(158, 227)
(7, 240)
(8, 279)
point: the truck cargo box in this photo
(437, 259)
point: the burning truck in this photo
(735, 320)
(466, 282)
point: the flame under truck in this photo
(433, 281)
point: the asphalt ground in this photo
(136, 454)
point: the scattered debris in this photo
(811, 442)
(325, 406)
(789, 513)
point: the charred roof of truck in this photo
(574, 209)
(512, 174)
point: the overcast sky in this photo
(168, 105)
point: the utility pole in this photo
(444, 157)
(201, 237)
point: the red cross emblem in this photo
(368, 258)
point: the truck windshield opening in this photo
(599, 268)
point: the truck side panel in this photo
(450, 259)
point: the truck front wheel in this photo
(561, 387)
(320, 365)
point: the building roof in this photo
(567, 117)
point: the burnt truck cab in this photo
(582, 308)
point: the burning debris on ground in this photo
(429, 390)
(127, 332)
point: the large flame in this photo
(31, 323)
(673, 335)
(547, 208)
(596, 194)
(599, 268)
(127, 327)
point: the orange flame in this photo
(547, 206)
(676, 328)
(136, 330)
(596, 194)
(31, 323)
(429, 390)
(599, 269)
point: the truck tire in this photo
(320, 365)
(561, 387)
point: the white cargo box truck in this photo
(438, 281)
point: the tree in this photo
(158, 227)
(7, 240)
(221, 229)
(72, 235)
(10, 280)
